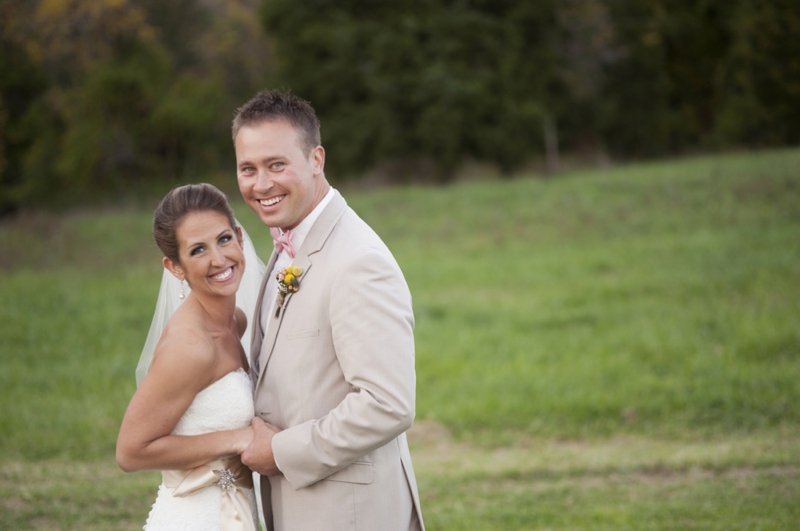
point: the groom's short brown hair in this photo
(274, 105)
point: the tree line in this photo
(107, 97)
(112, 96)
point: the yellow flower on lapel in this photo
(288, 282)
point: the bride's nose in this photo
(217, 257)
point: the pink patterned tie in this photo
(283, 242)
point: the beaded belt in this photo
(232, 476)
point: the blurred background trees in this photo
(106, 98)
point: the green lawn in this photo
(647, 315)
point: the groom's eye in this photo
(277, 165)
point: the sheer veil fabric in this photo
(168, 302)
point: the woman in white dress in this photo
(190, 416)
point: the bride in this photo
(190, 416)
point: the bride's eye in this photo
(196, 251)
(225, 239)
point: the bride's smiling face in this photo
(210, 253)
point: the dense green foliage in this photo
(112, 99)
(440, 80)
(419, 80)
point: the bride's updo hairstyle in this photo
(179, 203)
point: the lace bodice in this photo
(224, 405)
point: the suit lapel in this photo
(257, 332)
(313, 243)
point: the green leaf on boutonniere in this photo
(288, 282)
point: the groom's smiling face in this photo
(280, 182)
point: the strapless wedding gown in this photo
(224, 405)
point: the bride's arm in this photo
(182, 366)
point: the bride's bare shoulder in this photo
(185, 345)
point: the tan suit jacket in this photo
(336, 372)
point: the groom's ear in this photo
(174, 268)
(317, 158)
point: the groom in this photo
(333, 361)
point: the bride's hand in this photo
(244, 437)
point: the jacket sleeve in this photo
(372, 326)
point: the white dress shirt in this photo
(299, 234)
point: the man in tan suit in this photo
(333, 361)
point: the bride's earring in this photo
(182, 294)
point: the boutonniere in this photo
(288, 282)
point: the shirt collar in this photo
(300, 232)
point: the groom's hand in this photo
(258, 456)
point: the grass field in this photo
(608, 349)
